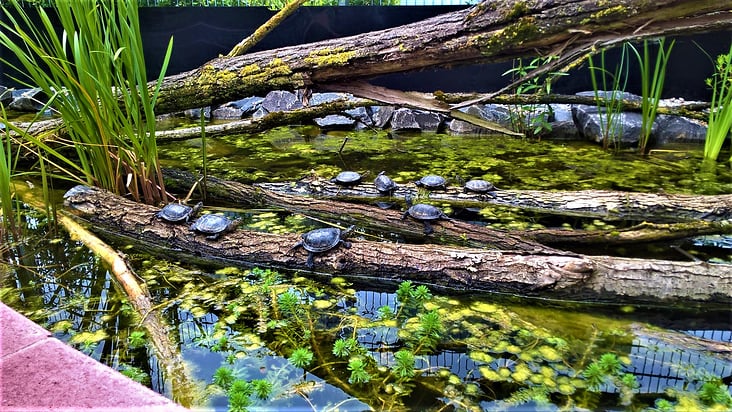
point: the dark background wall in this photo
(202, 33)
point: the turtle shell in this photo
(422, 211)
(176, 212)
(432, 182)
(211, 223)
(320, 240)
(479, 186)
(347, 178)
(384, 184)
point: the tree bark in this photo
(322, 199)
(488, 32)
(467, 269)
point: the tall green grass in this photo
(720, 112)
(7, 169)
(651, 86)
(609, 105)
(94, 73)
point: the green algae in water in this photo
(286, 154)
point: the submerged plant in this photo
(94, 74)
(720, 112)
(651, 86)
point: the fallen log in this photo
(466, 269)
(324, 200)
(603, 204)
(488, 32)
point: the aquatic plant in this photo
(720, 112)
(94, 75)
(531, 119)
(608, 87)
(651, 86)
(7, 170)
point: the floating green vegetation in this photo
(281, 339)
(286, 341)
(287, 154)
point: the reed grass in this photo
(94, 73)
(610, 105)
(720, 112)
(651, 86)
(7, 169)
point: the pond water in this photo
(261, 340)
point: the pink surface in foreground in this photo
(40, 373)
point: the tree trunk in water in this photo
(467, 269)
(322, 199)
(488, 32)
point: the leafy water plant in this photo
(651, 86)
(608, 87)
(531, 119)
(94, 75)
(720, 112)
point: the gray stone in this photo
(28, 100)
(428, 121)
(335, 121)
(499, 113)
(320, 98)
(562, 123)
(404, 119)
(247, 105)
(677, 129)
(362, 115)
(259, 113)
(382, 115)
(625, 127)
(227, 112)
(196, 113)
(281, 101)
(6, 95)
(491, 112)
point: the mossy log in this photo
(466, 269)
(488, 32)
(322, 199)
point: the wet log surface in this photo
(466, 269)
(322, 199)
(604, 204)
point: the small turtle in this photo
(432, 182)
(347, 178)
(481, 187)
(384, 184)
(178, 212)
(424, 213)
(214, 225)
(322, 240)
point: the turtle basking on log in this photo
(432, 182)
(214, 225)
(177, 212)
(322, 240)
(424, 213)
